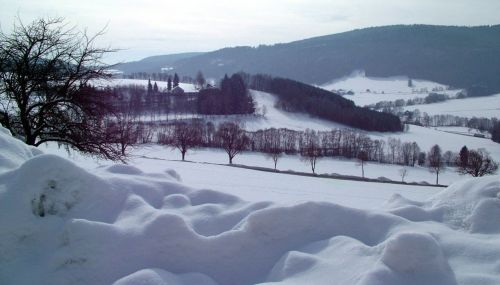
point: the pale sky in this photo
(153, 27)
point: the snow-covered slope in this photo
(487, 106)
(61, 224)
(370, 90)
(425, 137)
(276, 118)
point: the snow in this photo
(137, 224)
(384, 88)
(394, 88)
(203, 171)
(156, 276)
(427, 137)
(487, 106)
(464, 131)
(187, 87)
(276, 118)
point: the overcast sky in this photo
(152, 27)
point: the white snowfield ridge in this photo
(60, 224)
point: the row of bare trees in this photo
(185, 135)
(312, 146)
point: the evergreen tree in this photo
(176, 80)
(155, 88)
(149, 94)
(226, 91)
(169, 83)
(150, 87)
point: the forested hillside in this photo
(465, 57)
(294, 96)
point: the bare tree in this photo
(310, 149)
(479, 163)
(200, 80)
(232, 139)
(403, 172)
(435, 161)
(449, 158)
(45, 68)
(272, 145)
(362, 158)
(185, 136)
(393, 145)
(123, 129)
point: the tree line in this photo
(313, 145)
(294, 96)
(396, 106)
(160, 76)
(232, 97)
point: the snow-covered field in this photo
(393, 88)
(464, 131)
(487, 106)
(275, 118)
(144, 223)
(202, 171)
(425, 137)
(384, 89)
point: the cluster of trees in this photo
(473, 162)
(161, 76)
(137, 100)
(295, 96)
(490, 125)
(423, 119)
(396, 106)
(231, 98)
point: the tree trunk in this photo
(437, 178)
(362, 170)
(183, 155)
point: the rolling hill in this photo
(463, 57)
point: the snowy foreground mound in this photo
(60, 224)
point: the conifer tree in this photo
(169, 83)
(176, 80)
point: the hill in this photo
(464, 57)
(154, 63)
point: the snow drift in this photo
(60, 224)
